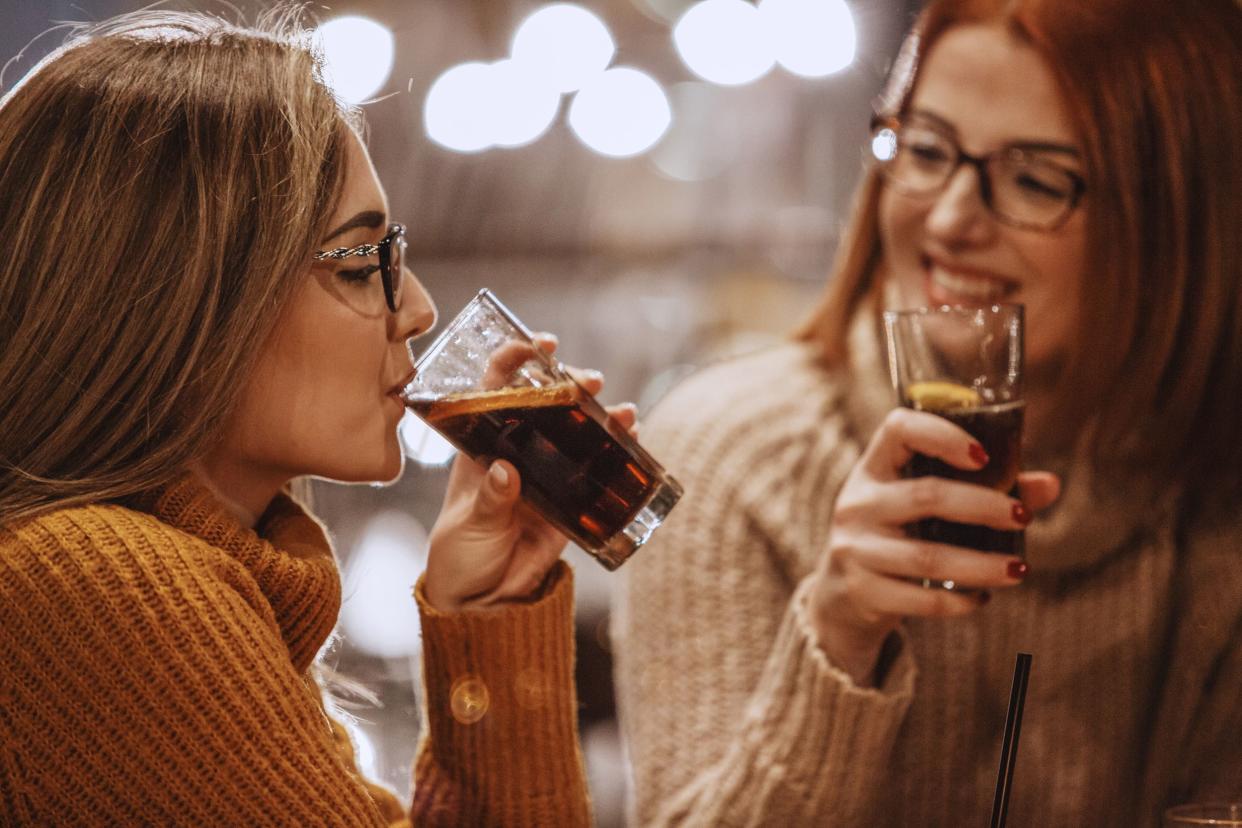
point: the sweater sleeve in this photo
(733, 714)
(500, 742)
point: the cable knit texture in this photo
(735, 717)
(154, 671)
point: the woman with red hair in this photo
(778, 662)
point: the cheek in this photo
(316, 404)
(900, 224)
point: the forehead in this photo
(993, 88)
(361, 189)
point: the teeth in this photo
(976, 288)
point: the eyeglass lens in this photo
(1021, 188)
(394, 260)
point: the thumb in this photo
(496, 496)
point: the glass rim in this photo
(483, 297)
(1017, 308)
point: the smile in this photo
(951, 286)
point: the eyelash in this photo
(360, 275)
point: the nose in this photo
(959, 214)
(417, 313)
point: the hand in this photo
(488, 546)
(867, 581)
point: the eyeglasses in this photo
(1019, 186)
(391, 250)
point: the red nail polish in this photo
(1016, 569)
(978, 454)
(1021, 514)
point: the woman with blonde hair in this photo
(202, 299)
(779, 662)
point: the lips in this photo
(397, 389)
(956, 285)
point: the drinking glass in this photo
(493, 393)
(964, 364)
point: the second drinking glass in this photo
(964, 364)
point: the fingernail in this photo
(984, 597)
(596, 375)
(978, 454)
(1021, 514)
(500, 477)
(1016, 569)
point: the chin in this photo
(383, 470)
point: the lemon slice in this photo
(938, 395)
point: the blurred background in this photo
(659, 182)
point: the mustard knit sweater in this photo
(154, 671)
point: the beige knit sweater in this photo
(735, 717)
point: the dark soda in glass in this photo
(998, 428)
(564, 446)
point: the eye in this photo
(1039, 183)
(927, 152)
(925, 147)
(359, 275)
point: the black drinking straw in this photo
(1009, 747)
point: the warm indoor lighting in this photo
(564, 44)
(621, 112)
(811, 38)
(724, 41)
(455, 113)
(522, 105)
(423, 444)
(357, 55)
(884, 145)
(378, 613)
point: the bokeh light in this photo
(358, 56)
(682, 154)
(724, 41)
(455, 112)
(379, 614)
(522, 105)
(564, 44)
(620, 112)
(811, 38)
(884, 145)
(422, 443)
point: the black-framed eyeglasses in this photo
(1019, 185)
(391, 250)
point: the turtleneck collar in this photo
(1097, 515)
(287, 553)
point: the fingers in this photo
(495, 498)
(591, 381)
(546, 341)
(905, 433)
(905, 501)
(912, 559)
(626, 416)
(1039, 489)
(890, 597)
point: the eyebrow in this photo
(1034, 146)
(367, 218)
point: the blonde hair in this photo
(164, 178)
(1155, 90)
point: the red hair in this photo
(1155, 92)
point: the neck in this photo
(243, 492)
